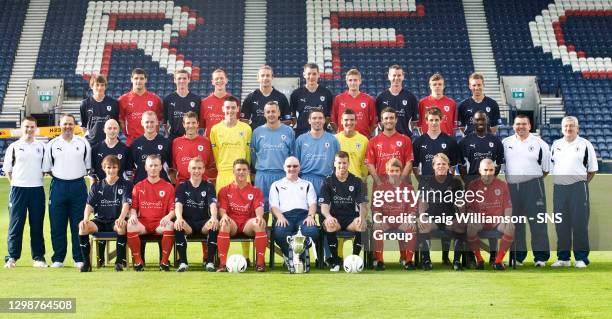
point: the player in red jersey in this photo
(211, 107)
(387, 145)
(192, 145)
(241, 211)
(152, 213)
(448, 124)
(496, 202)
(134, 103)
(394, 215)
(363, 104)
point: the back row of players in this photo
(353, 114)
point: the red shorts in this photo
(489, 226)
(240, 228)
(150, 225)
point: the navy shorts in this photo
(104, 225)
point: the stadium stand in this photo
(113, 37)
(371, 35)
(12, 15)
(566, 45)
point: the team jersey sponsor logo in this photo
(363, 105)
(200, 148)
(150, 103)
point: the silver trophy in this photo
(297, 247)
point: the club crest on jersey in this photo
(241, 134)
(283, 137)
(322, 98)
(203, 194)
(160, 147)
(446, 108)
(404, 102)
(326, 144)
(108, 108)
(398, 143)
(488, 109)
(351, 188)
(490, 144)
(162, 193)
(150, 103)
(357, 145)
(250, 196)
(497, 192)
(120, 191)
(443, 145)
(192, 104)
(363, 105)
(531, 148)
(200, 148)
(119, 156)
(321, 199)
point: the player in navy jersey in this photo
(341, 194)
(110, 146)
(109, 201)
(443, 197)
(271, 144)
(178, 103)
(477, 102)
(196, 212)
(97, 109)
(477, 146)
(399, 98)
(311, 95)
(432, 142)
(252, 110)
(151, 142)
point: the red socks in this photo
(167, 243)
(261, 242)
(506, 242)
(133, 241)
(474, 244)
(223, 243)
(378, 250)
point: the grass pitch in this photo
(523, 293)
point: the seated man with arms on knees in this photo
(241, 212)
(293, 202)
(394, 216)
(196, 212)
(109, 200)
(341, 193)
(152, 213)
(496, 202)
(438, 211)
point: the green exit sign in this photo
(45, 96)
(518, 95)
